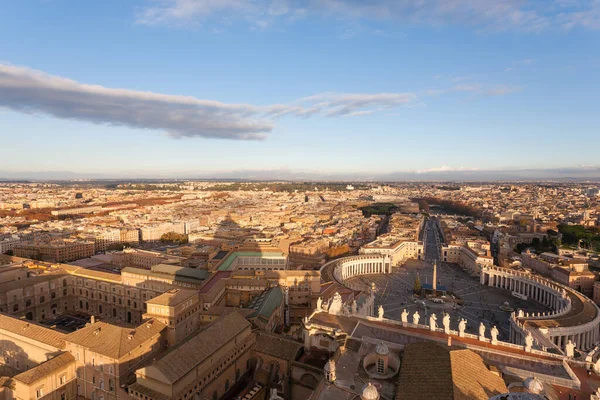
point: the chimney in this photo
(93, 320)
(449, 341)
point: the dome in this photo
(533, 385)
(382, 349)
(330, 366)
(370, 393)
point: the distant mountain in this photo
(563, 174)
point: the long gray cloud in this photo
(30, 91)
(527, 15)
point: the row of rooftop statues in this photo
(462, 325)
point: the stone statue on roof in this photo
(528, 341)
(380, 312)
(432, 322)
(570, 349)
(416, 318)
(404, 317)
(494, 333)
(481, 331)
(336, 304)
(319, 304)
(446, 323)
(354, 307)
(462, 325)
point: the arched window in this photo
(42, 299)
(27, 303)
(64, 282)
(15, 308)
(53, 295)
(100, 309)
(80, 304)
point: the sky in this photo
(321, 87)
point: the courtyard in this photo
(477, 303)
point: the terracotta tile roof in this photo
(190, 354)
(277, 346)
(153, 394)
(44, 369)
(173, 297)
(32, 331)
(224, 310)
(432, 371)
(114, 341)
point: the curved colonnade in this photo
(573, 317)
(367, 264)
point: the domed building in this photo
(329, 370)
(370, 393)
(533, 385)
(530, 388)
(381, 363)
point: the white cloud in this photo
(30, 91)
(525, 15)
(476, 89)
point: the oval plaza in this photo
(571, 316)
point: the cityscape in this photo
(300, 200)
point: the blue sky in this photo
(327, 86)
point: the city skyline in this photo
(312, 89)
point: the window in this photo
(62, 380)
(380, 366)
(39, 392)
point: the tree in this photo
(174, 237)
(417, 286)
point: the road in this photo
(432, 241)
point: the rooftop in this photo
(189, 354)
(32, 331)
(173, 297)
(112, 340)
(34, 374)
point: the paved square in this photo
(480, 303)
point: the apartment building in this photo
(8, 243)
(54, 250)
(144, 258)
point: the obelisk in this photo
(434, 283)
